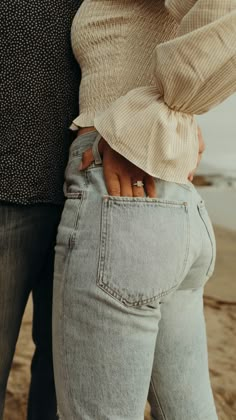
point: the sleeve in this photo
(154, 127)
(178, 9)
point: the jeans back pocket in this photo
(144, 248)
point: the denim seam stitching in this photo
(158, 401)
(187, 243)
(65, 372)
(102, 251)
(100, 278)
(146, 201)
(209, 236)
(72, 238)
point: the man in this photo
(40, 82)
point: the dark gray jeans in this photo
(27, 237)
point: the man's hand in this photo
(200, 152)
(120, 175)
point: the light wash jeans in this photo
(128, 319)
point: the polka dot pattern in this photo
(39, 97)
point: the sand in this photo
(220, 310)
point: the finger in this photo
(138, 191)
(150, 186)
(199, 159)
(202, 145)
(87, 159)
(101, 146)
(125, 186)
(112, 183)
(191, 175)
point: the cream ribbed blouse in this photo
(147, 67)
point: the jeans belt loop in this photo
(95, 151)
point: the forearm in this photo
(204, 57)
(154, 127)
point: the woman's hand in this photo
(120, 175)
(200, 152)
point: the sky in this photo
(219, 131)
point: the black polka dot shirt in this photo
(39, 97)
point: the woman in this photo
(135, 245)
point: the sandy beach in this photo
(220, 305)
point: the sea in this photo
(219, 163)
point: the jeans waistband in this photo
(86, 140)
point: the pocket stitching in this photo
(105, 236)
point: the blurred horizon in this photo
(219, 132)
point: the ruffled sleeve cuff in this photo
(142, 128)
